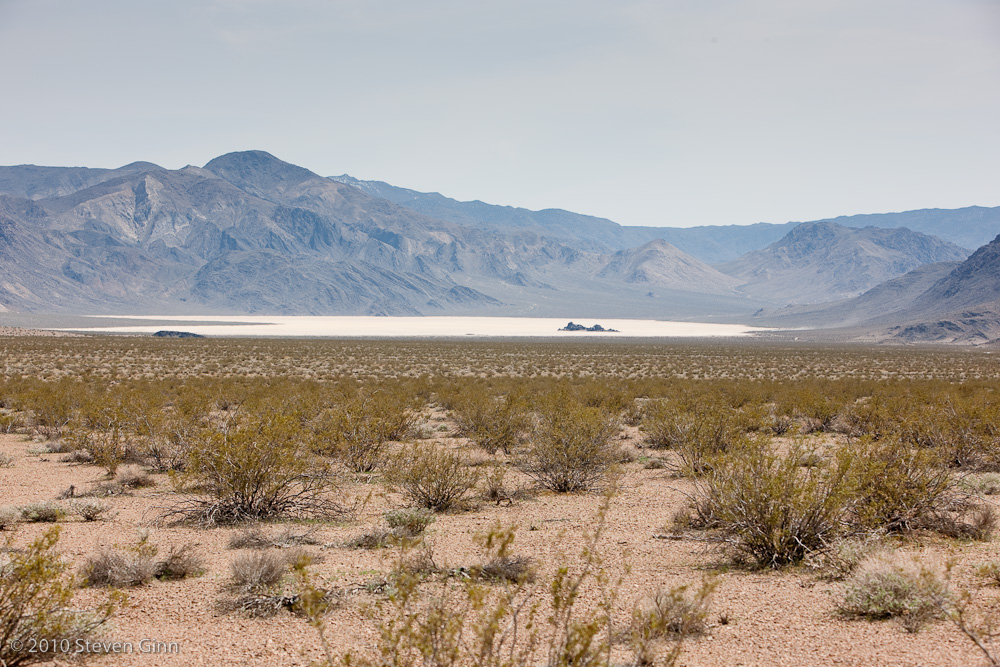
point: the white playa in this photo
(407, 327)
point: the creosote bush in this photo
(767, 508)
(431, 476)
(35, 603)
(254, 467)
(358, 429)
(673, 613)
(898, 488)
(570, 447)
(513, 623)
(493, 422)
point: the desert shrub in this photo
(495, 485)
(450, 625)
(987, 484)
(816, 409)
(841, 558)
(965, 432)
(379, 538)
(180, 563)
(493, 422)
(255, 537)
(51, 406)
(769, 509)
(91, 510)
(896, 488)
(409, 522)
(358, 428)
(989, 571)
(42, 513)
(570, 448)
(699, 432)
(9, 517)
(682, 610)
(117, 567)
(258, 570)
(498, 564)
(431, 476)
(877, 416)
(134, 477)
(890, 587)
(10, 421)
(256, 468)
(35, 599)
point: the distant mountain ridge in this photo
(968, 227)
(953, 302)
(250, 233)
(824, 261)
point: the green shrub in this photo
(896, 488)
(769, 509)
(35, 603)
(493, 422)
(570, 448)
(431, 476)
(409, 522)
(699, 433)
(358, 428)
(254, 467)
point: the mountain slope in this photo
(968, 227)
(823, 261)
(251, 233)
(709, 243)
(952, 302)
(659, 263)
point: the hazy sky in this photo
(676, 112)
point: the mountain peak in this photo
(258, 171)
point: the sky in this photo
(647, 112)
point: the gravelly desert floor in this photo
(758, 618)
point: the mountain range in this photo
(249, 233)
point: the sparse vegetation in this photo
(255, 468)
(116, 567)
(42, 513)
(431, 476)
(570, 446)
(831, 457)
(890, 587)
(35, 601)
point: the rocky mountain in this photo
(659, 263)
(250, 233)
(953, 302)
(968, 227)
(824, 261)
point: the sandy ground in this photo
(784, 618)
